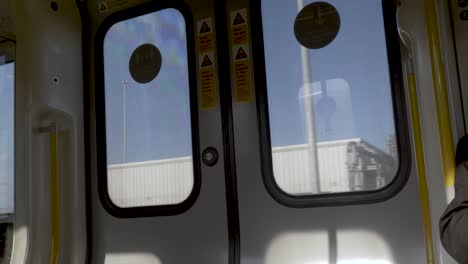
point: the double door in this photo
(250, 132)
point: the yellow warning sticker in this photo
(207, 81)
(206, 61)
(241, 54)
(242, 80)
(238, 19)
(239, 27)
(206, 65)
(204, 28)
(205, 35)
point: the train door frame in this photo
(222, 168)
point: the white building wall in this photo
(150, 183)
(333, 167)
(291, 169)
(170, 181)
(291, 172)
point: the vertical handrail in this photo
(421, 167)
(54, 197)
(440, 93)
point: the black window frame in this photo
(400, 121)
(101, 132)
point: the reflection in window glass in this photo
(149, 147)
(330, 109)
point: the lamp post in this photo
(309, 111)
(125, 84)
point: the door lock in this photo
(210, 156)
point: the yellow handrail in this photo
(440, 92)
(421, 167)
(54, 199)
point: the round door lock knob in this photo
(210, 156)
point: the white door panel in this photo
(274, 230)
(197, 235)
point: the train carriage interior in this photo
(230, 131)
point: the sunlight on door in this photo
(126, 258)
(322, 247)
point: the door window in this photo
(331, 97)
(148, 117)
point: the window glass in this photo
(6, 139)
(331, 115)
(147, 104)
(6, 158)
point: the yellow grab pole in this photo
(440, 93)
(54, 199)
(421, 168)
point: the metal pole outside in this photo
(309, 110)
(125, 84)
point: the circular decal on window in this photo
(145, 63)
(317, 25)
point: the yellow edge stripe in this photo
(440, 92)
(421, 167)
(54, 200)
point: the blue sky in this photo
(353, 68)
(158, 113)
(6, 117)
